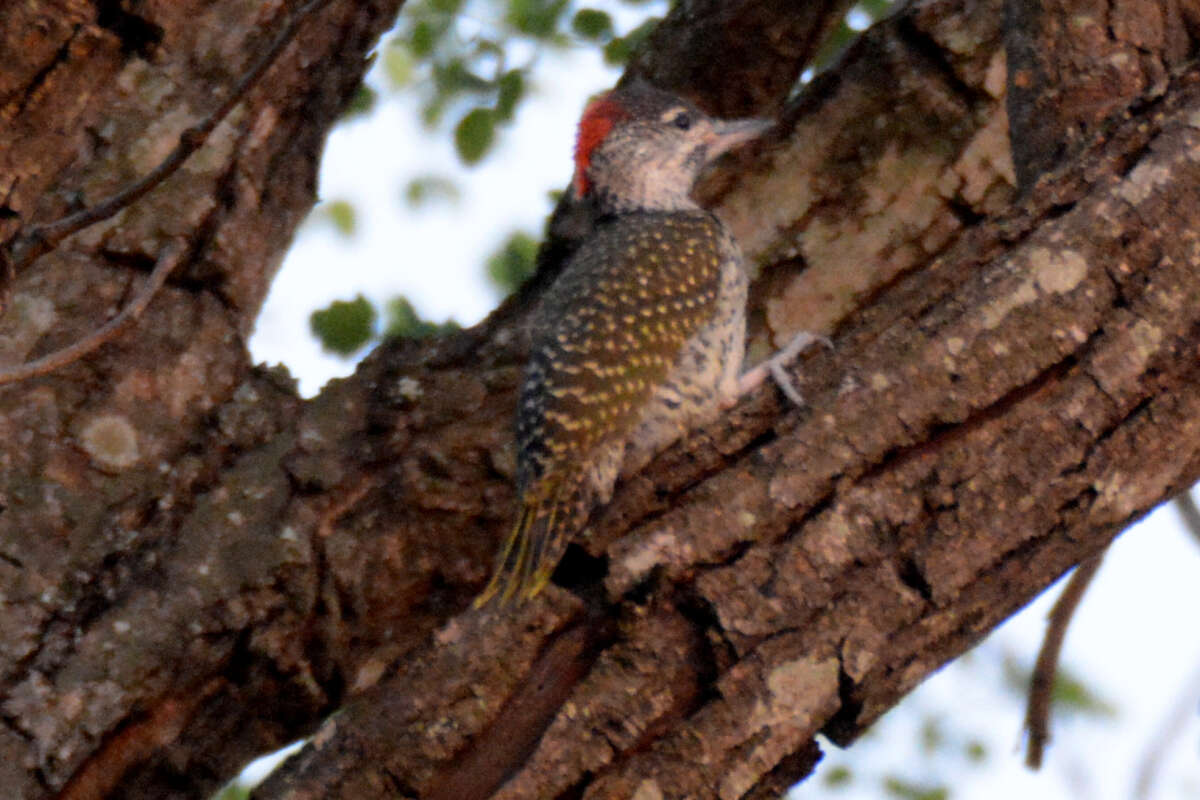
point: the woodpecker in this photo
(641, 336)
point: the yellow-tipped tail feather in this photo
(531, 551)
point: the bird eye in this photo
(682, 121)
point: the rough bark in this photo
(1072, 65)
(136, 488)
(197, 566)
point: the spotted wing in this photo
(608, 333)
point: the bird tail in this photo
(533, 547)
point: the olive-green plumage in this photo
(640, 337)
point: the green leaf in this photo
(514, 262)
(875, 9)
(446, 6)
(489, 47)
(344, 326)
(976, 750)
(453, 77)
(474, 134)
(906, 790)
(1071, 694)
(429, 188)
(343, 216)
(404, 322)
(832, 47)
(537, 18)
(431, 112)
(398, 63)
(619, 50)
(932, 736)
(234, 791)
(402, 319)
(591, 23)
(838, 776)
(511, 87)
(425, 36)
(362, 101)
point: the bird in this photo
(641, 336)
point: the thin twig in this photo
(1183, 709)
(44, 238)
(108, 331)
(1167, 734)
(1041, 683)
(1185, 504)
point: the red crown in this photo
(597, 120)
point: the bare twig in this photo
(1041, 684)
(1189, 512)
(25, 248)
(1167, 734)
(1184, 707)
(108, 331)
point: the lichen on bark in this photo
(197, 566)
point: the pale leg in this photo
(752, 378)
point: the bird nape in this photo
(640, 338)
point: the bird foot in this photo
(752, 378)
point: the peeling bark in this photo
(197, 566)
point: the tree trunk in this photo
(197, 566)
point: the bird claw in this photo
(774, 366)
(784, 382)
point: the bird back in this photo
(607, 334)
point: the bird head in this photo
(641, 148)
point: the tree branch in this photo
(1003, 383)
(983, 427)
(19, 252)
(106, 460)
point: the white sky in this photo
(433, 255)
(1135, 640)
